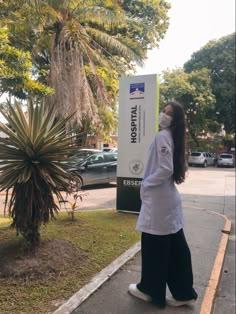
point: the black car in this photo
(82, 153)
(96, 168)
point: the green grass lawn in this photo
(71, 253)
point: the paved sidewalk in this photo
(204, 235)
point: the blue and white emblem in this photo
(136, 91)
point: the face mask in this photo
(164, 120)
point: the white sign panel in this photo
(138, 113)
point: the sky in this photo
(193, 23)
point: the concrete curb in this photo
(211, 290)
(97, 281)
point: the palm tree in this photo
(81, 36)
(34, 167)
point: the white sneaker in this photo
(176, 303)
(138, 294)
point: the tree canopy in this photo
(72, 41)
(218, 56)
(15, 71)
(193, 91)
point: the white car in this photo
(203, 159)
(226, 160)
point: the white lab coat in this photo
(161, 210)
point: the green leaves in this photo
(15, 71)
(218, 56)
(34, 165)
(65, 38)
(193, 91)
(37, 142)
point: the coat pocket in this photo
(147, 194)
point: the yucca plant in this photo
(34, 166)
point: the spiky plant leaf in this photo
(34, 166)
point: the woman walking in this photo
(166, 258)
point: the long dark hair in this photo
(178, 129)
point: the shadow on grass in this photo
(48, 260)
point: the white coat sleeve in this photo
(163, 168)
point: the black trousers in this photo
(166, 260)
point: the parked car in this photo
(97, 168)
(92, 150)
(82, 153)
(110, 149)
(226, 159)
(203, 159)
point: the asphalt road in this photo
(209, 181)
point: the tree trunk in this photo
(31, 236)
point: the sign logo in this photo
(136, 91)
(136, 166)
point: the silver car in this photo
(226, 160)
(203, 159)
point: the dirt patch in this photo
(47, 261)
